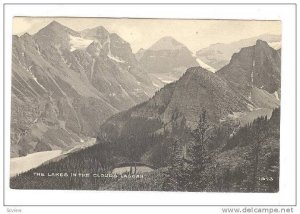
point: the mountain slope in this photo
(66, 83)
(218, 55)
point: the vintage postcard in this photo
(145, 104)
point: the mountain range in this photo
(66, 83)
(219, 54)
(144, 109)
(241, 91)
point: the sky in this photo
(142, 33)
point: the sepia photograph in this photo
(184, 105)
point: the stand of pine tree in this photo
(203, 159)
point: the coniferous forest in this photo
(184, 159)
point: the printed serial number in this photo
(266, 179)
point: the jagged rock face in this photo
(255, 68)
(218, 55)
(66, 83)
(267, 65)
(166, 60)
(110, 44)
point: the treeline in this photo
(256, 147)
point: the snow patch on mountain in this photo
(166, 80)
(205, 66)
(79, 43)
(34, 78)
(276, 95)
(109, 54)
(250, 107)
(275, 45)
(115, 58)
(156, 85)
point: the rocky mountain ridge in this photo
(218, 55)
(66, 83)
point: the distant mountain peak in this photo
(166, 43)
(96, 31)
(56, 25)
(166, 60)
(58, 29)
